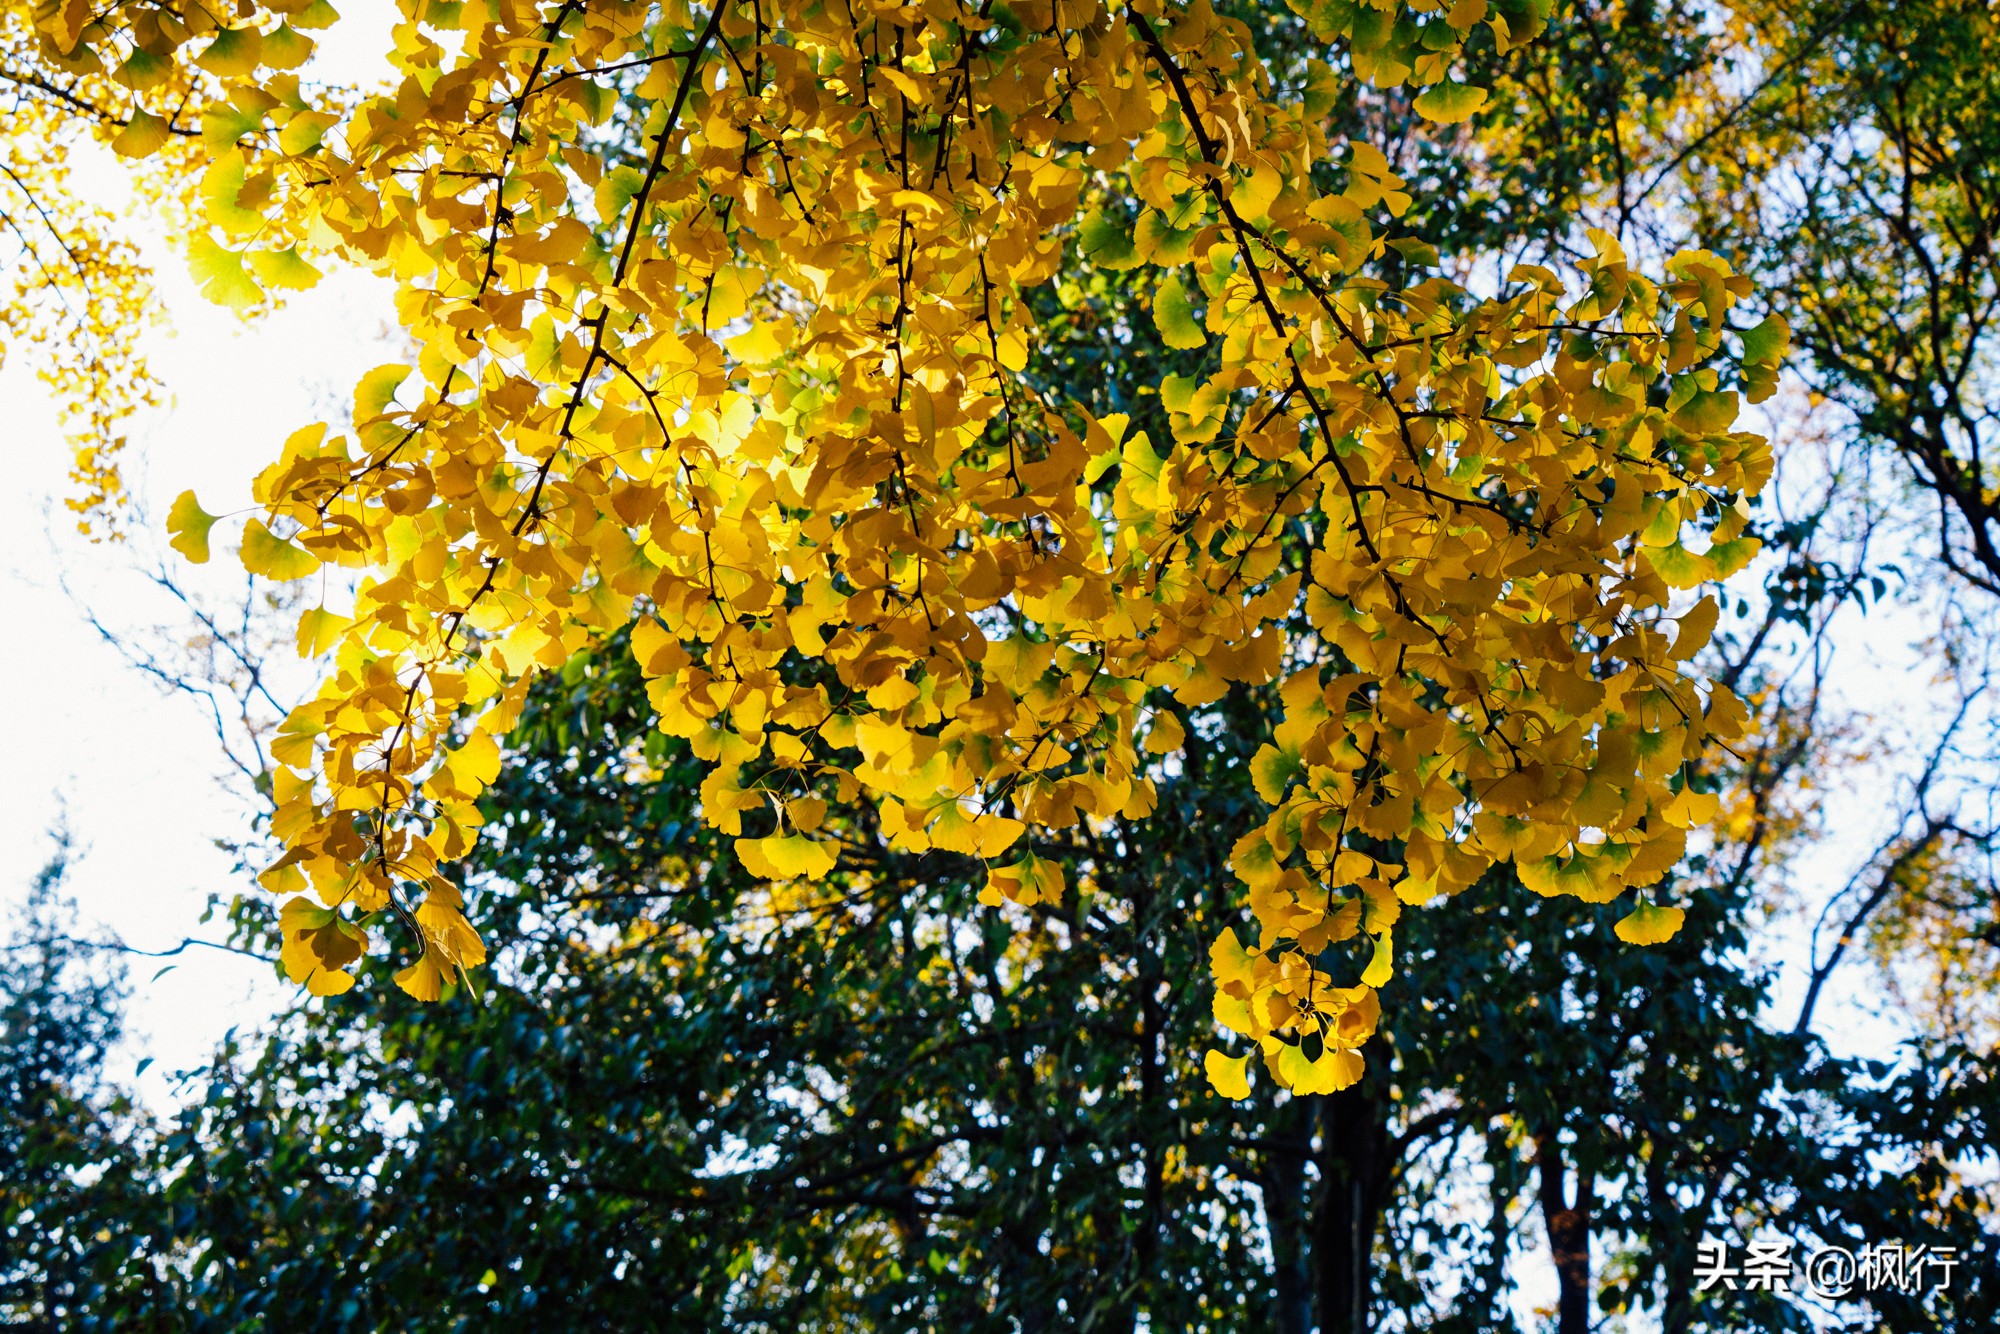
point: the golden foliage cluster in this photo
(719, 320)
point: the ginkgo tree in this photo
(717, 318)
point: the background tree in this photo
(72, 1166)
(691, 1095)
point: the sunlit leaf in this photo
(1226, 1074)
(1649, 925)
(1174, 316)
(189, 524)
(1450, 103)
(265, 553)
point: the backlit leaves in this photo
(188, 525)
(319, 629)
(318, 945)
(142, 136)
(772, 387)
(786, 857)
(1226, 1074)
(1450, 103)
(220, 275)
(1649, 924)
(1175, 314)
(267, 554)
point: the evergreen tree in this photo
(71, 1169)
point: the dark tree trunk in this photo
(1671, 1243)
(1283, 1183)
(1152, 1094)
(1357, 1159)
(1568, 1226)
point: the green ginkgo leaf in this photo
(286, 47)
(234, 53)
(1105, 243)
(221, 192)
(318, 14)
(1767, 341)
(1708, 411)
(1271, 769)
(1415, 251)
(1174, 315)
(143, 70)
(375, 391)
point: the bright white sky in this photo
(138, 774)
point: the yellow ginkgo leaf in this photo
(318, 630)
(265, 553)
(188, 524)
(1691, 809)
(758, 346)
(426, 979)
(1031, 880)
(283, 268)
(142, 136)
(1648, 924)
(329, 982)
(1450, 103)
(447, 929)
(475, 763)
(1383, 965)
(317, 945)
(1226, 1074)
(1331, 1071)
(1234, 1013)
(980, 834)
(1229, 963)
(763, 402)
(786, 857)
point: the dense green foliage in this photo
(75, 1201)
(683, 1106)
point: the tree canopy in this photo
(933, 581)
(721, 314)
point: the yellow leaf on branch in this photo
(265, 553)
(1226, 1075)
(189, 525)
(1649, 924)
